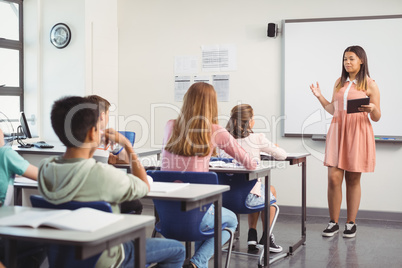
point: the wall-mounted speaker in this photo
(272, 30)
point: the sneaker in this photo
(273, 247)
(350, 229)
(261, 243)
(331, 229)
(189, 265)
(252, 239)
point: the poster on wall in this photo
(218, 58)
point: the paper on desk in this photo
(223, 164)
(165, 187)
(21, 179)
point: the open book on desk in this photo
(82, 219)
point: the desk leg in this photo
(302, 240)
(267, 225)
(304, 202)
(17, 196)
(218, 232)
(10, 253)
(139, 250)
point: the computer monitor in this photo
(24, 126)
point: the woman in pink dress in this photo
(350, 145)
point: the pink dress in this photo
(350, 140)
(221, 138)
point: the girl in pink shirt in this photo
(189, 142)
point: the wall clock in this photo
(60, 35)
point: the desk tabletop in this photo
(190, 193)
(119, 229)
(59, 149)
(290, 156)
(262, 167)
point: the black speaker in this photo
(272, 30)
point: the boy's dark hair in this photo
(72, 118)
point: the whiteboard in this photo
(312, 51)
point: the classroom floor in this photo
(377, 244)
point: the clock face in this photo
(60, 35)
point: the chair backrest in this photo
(40, 202)
(224, 159)
(240, 187)
(64, 256)
(130, 135)
(173, 222)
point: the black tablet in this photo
(353, 105)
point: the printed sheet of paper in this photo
(181, 85)
(218, 58)
(202, 78)
(221, 85)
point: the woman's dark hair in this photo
(72, 118)
(362, 75)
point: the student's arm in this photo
(328, 106)
(121, 158)
(1, 138)
(272, 149)
(373, 108)
(222, 139)
(31, 172)
(136, 167)
(18, 165)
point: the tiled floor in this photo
(377, 244)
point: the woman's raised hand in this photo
(316, 90)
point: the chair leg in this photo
(275, 217)
(230, 247)
(188, 249)
(237, 231)
(261, 257)
(154, 233)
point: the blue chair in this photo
(60, 256)
(130, 136)
(184, 225)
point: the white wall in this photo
(88, 65)
(51, 73)
(151, 33)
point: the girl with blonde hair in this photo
(189, 143)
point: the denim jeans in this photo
(168, 253)
(204, 250)
(253, 200)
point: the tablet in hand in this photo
(353, 105)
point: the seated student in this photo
(77, 176)
(127, 207)
(240, 126)
(189, 141)
(11, 163)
